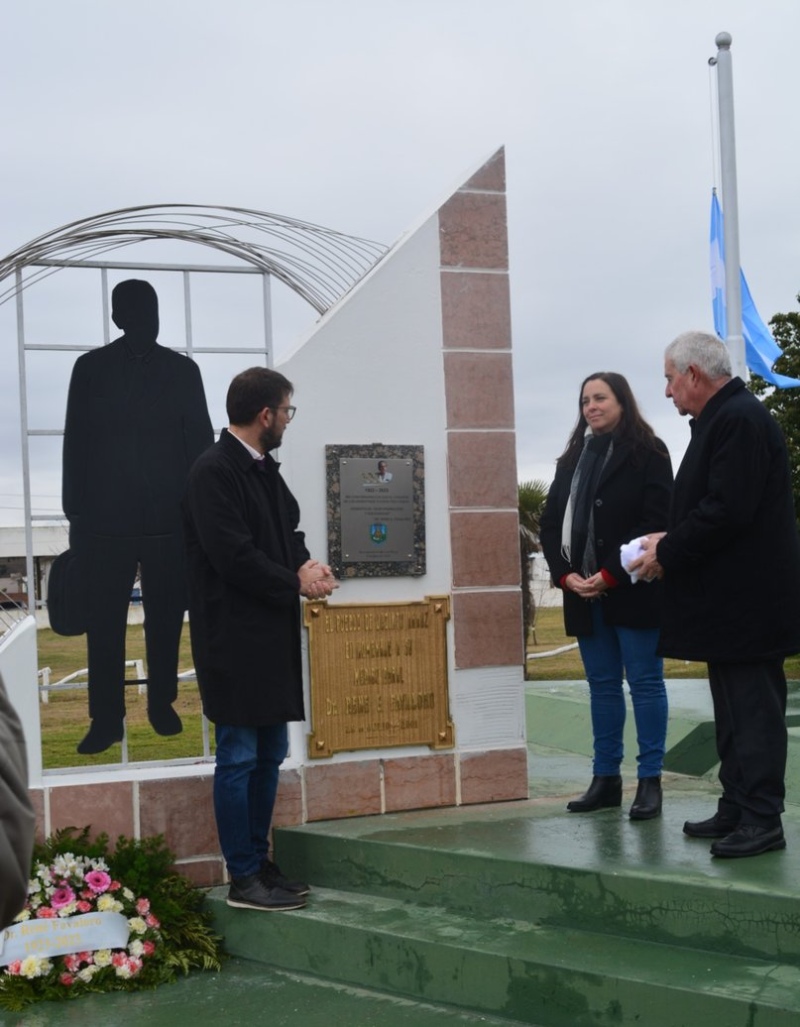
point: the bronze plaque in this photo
(378, 675)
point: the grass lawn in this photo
(568, 666)
(65, 718)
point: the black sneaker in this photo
(251, 893)
(271, 876)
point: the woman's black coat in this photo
(632, 499)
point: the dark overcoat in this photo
(731, 557)
(244, 550)
(631, 499)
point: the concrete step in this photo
(526, 971)
(643, 881)
(557, 715)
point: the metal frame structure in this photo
(317, 263)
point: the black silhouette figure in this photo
(136, 421)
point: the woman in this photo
(612, 485)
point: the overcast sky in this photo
(361, 115)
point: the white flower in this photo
(128, 894)
(65, 865)
(137, 925)
(102, 957)
(34, 966)
(123, 971)
(24, 915)
(136, 948)
(108, 904)
(88, 972)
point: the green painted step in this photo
(528, 972)
(557, 715)
(598, 872)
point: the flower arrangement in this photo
(167, 928)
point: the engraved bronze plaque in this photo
(378, 675)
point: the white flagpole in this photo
(730, 205)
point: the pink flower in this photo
(66, 980)
(72, 962)
(46, 913)
(114, 886)
(134, 965)
(119, 959)
(151, 921)
(62, 896)
(87, 893)
(148, 947)
(98, 881)
(84, 907)
(85, 957)
(14, 968)
(142, 906)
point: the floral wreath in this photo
(70, 884)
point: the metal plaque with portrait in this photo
(376, 520)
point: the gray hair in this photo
(708, 353)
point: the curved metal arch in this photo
(319, 264)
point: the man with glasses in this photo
(248, 567)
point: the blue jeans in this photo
(608, 653)
(245, 786)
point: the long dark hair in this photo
(632, 427)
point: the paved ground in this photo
(246, 995)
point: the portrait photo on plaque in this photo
(376, 510)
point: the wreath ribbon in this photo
(58, 936)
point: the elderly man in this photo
(248, 567)
(730, 561)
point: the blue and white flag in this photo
(761, 350)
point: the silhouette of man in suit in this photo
(136, 421)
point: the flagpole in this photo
(730, 205)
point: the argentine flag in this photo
(761, 350)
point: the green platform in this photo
(515, 913)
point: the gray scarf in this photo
(577, 529)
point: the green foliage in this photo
(531, 497)
(784, 404)
(145, 868)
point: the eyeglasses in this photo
(289, 411)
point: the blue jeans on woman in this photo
(608, 654)
(245, 785)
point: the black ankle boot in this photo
(604, 792)
(647, 803)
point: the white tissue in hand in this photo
(630, 552)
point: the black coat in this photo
(244, 551)
(731, 556)
(632, 499)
